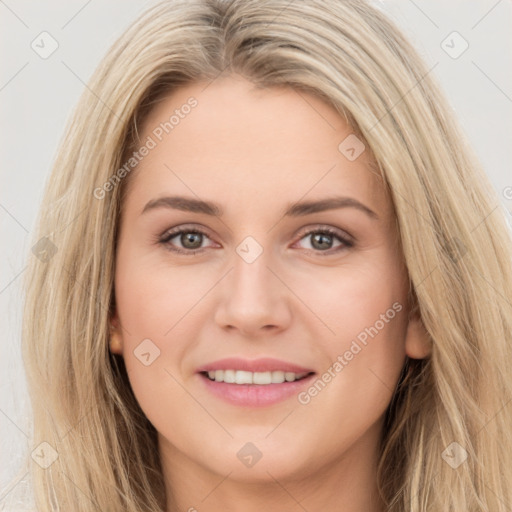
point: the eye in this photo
(191, 240)
(322, 239)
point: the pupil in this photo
(189, 237)
(324, 240)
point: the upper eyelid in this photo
(305, 230)
(172, 232)
(319, 227)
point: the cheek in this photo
(364, 361)
(354, 298)
(365, 310)
(161, 308)
(153, 298)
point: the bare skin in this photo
(304, 299)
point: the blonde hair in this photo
(452, 232)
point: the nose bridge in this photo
(252, 296)
(251, 280)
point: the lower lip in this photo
(255, 395)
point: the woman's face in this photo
(281, 247)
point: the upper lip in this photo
(265, 364)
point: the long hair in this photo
(447, 442)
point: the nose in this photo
(253, 299)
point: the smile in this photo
(257, 378)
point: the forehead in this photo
(265, 143)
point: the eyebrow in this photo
(188, 204)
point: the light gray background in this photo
(37, 95)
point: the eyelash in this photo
(168, 236)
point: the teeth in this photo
(261, 378)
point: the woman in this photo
(200, 348)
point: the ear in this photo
(417, 341)
(116, 340)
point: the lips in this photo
(254, 383)
(265, 364)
